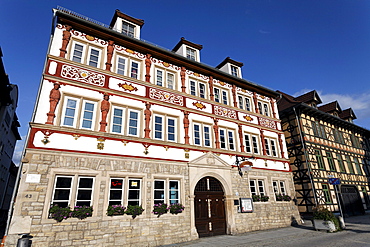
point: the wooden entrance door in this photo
(210, 219)
(351, 201)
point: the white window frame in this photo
(279, 187)
(234, 70)
(118, 63)
(53, 201)
(166, 191)
(112, 123)
(72, 56)
(244, 102)
(165, 128)
(197, 88)
(230, 142)
(132, 74)
(202, 138)
(157, 76)
(122, 190)
(259, 187)
(90, 55)
(84, 189)
(191, 53)
(139, 202)
(127, 31)
(82, 114)
(76, 111)
(271, 147)
(167, 78)
(137, 127)
(253, 146)
(266, 110)
(217, 94)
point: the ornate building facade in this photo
(329, 154)
(121, 121)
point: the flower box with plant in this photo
(260, 198)
(134, 210)
(82, 212)
(324, 219)
(280, 197)
(176, 208)
(58, 213)
(115, 210)
(160, 208)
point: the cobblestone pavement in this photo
(356, 234)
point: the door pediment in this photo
(210, 160)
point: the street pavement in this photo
(356, 234)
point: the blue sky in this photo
(289, 45)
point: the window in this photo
(329, 157)
(88, 109)
(134, 70)
(325, 190)
(117, 121)
(70, 114)
(340, 163)
(266, 109)
(202, 135)
(270, 147)
(224, 97)
(159, 78)
(279, 187)
(134, 192)
(164, 128)
(121, 65)
(94, 57)
(227, 139)
(257, 187)
(349, 164)
(165, 79)
(198, 89)
(357, 165)
(190, 53)
(78, 54)
(216, 92)
(116, 191)
(234, 70)
(78, 51)
(319, 159)
(259, 104)
(128, 29)
(244, 103)
(166, 191)
(67, 193)
(133, 122)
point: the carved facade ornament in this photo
(248, 118)
(166, 97)
(264, 122)
(54, 98)
(182, 76)
(199, 105)
(148, 64)
(147, 114)
(224, 112)
(110, 49)
(89, 37)
(127, 87)
(82, 75)
(186, 123)
(104, 108)
(215, 130)
(65, 40)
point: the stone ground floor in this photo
(217, 200)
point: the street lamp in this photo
(243, 163)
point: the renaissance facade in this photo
(119, 121)
(329, 154)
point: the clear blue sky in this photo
(289, 45)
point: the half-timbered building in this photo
(120, 121)
(329, 154)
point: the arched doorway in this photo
(351, 201)
(210, 217)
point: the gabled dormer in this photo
(311, 98)
(126, 24)
(231, 67)
(348, 115)
(188, 49)
(332, 108)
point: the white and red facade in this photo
(112, 108)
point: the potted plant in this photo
(82, 212)
(260, 198)
(115, 210)
(176, 208)
(134, 210)
(324, 219)
(160, 208)
(58, 213)
(264, 198)
(281, 197)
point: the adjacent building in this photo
(8, 137)
(329, 154)
(120, 121)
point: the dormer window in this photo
(234, 70)
(190, 53)
(128, 29)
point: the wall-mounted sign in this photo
(246, 205)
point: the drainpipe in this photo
(17, 181)
(305, 154)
